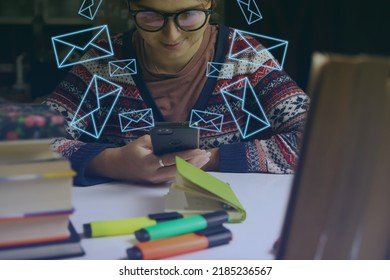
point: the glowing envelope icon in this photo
(89, 8)
(206, 120)
(250, 10)
(249, 43)
(136, 120)
(219, 70)
(249, 115)
(88, 117)
(68, 45)
(124, 67)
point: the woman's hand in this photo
(213, 163)
(135, 162)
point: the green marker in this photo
(181, 226)
(126, 226)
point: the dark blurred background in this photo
(339, 26)
(28, 70)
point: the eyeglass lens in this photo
(187, 20)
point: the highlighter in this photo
(126, 226)
(181, 226)
(181, 244)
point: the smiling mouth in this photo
(172, 46)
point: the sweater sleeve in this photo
(264, 156)
(80, 154)
(80, 160)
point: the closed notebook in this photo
(34, 229)
(196, 191)
(35, 187)
(22, 151)
(66, 248)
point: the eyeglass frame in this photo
(165, 16)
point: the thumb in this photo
(145, 141)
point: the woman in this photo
(172, 44)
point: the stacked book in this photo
(35, 187)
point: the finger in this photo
(165, 174)
(170, 159)
(199, 161)
(168, 173)
(145, 141)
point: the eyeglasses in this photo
(187, 20)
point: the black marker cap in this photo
(142, 235)
(163, 217)
(216, 236)
(87, 230)
(134, 253)
(216, 218)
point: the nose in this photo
(171, 30)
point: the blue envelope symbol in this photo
(219, 70)
(136, 120)
(254, 119)
(89, 8)
(99, 92)
(122, 67)
(250, 10)
(206, 121)
(263, 55)
(73, 43)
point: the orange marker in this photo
(181, 244)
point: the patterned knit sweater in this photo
(272, 150)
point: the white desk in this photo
(264, 196)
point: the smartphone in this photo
(168, 137)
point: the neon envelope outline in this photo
(201, 116)
(219, 70)
(116, 70)
(144, 115)
(262, 119)
(94, 82)
(250, 10)
(89, 9)
(279, 43)
(65, 40)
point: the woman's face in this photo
(171, 42)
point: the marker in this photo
(182, 226)
(181, 244)
(126, 226)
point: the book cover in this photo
(196, 191)
(38, 167)
(35, 187)
(20, 151)
(34, 228)
(67, 248)
(339, 205)
(29, 121)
